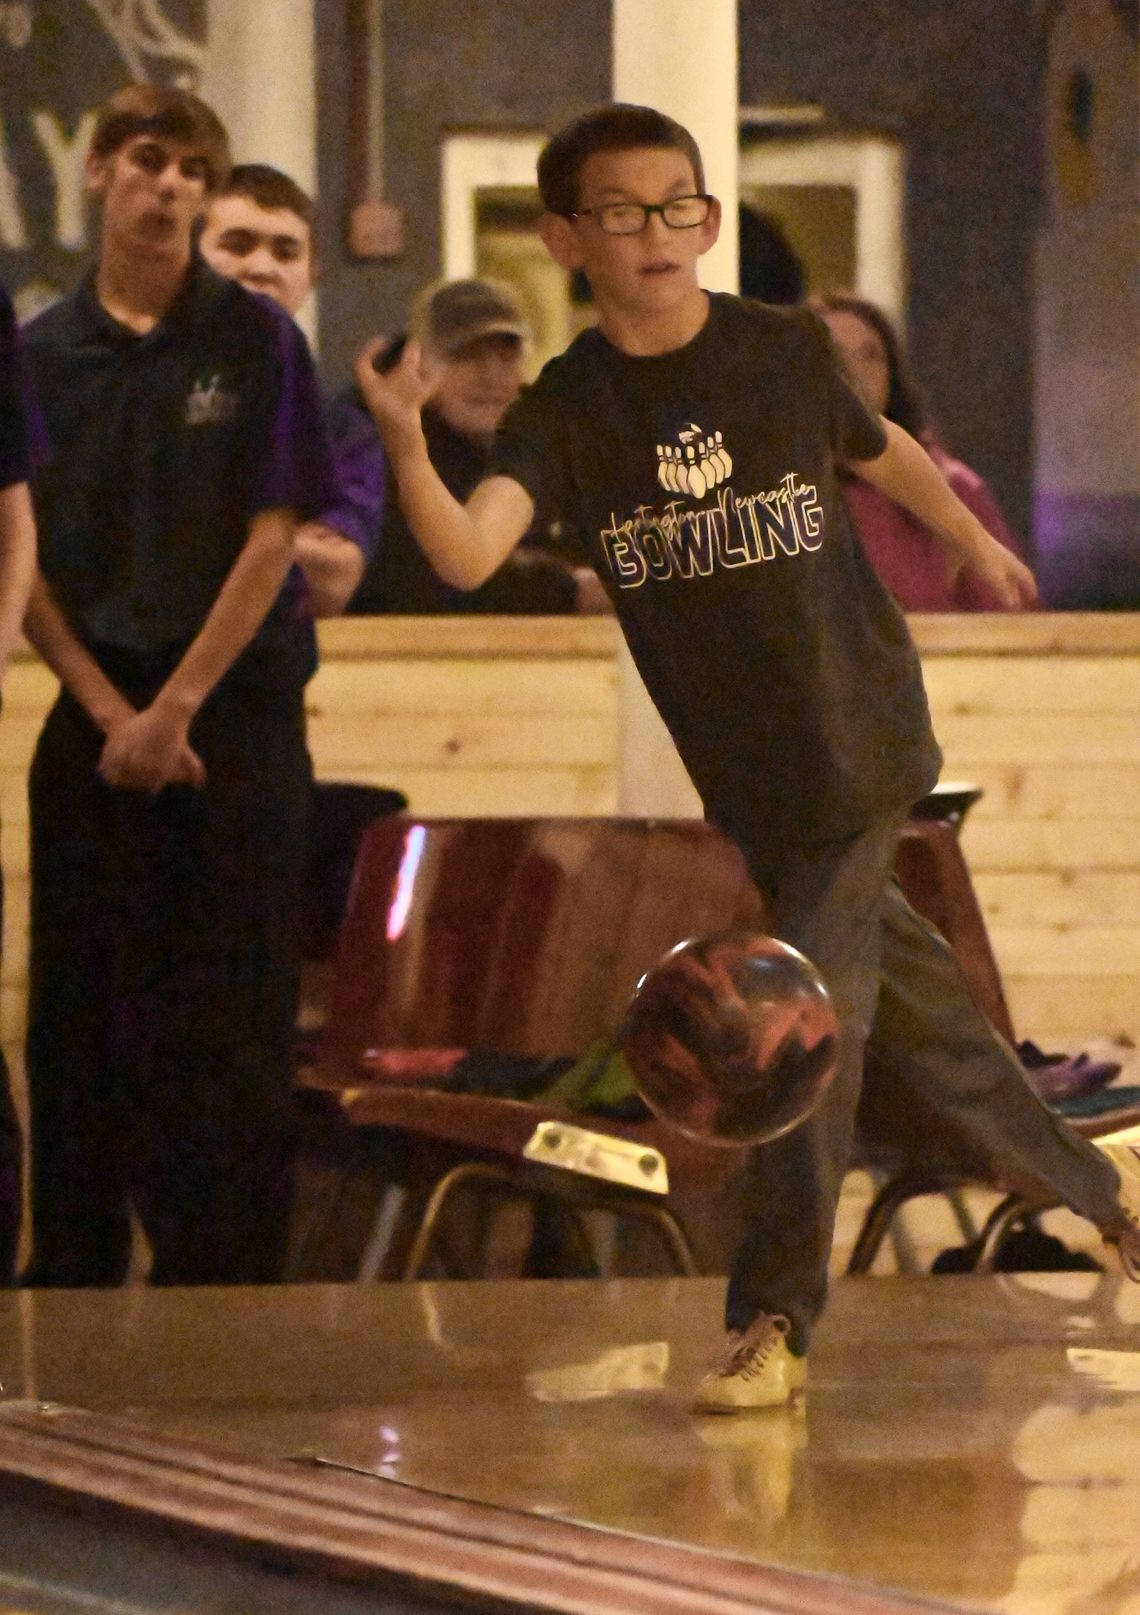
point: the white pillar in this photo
(260, 78)
(681, 58)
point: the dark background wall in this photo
(59, 61)
(959, 82)
(450, 65)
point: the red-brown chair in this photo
(524, 937)
(933, 874)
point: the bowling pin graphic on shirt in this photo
(696, 465)
(668, 470)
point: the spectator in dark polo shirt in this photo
(170, 784)
(17, 566)
(258, 229)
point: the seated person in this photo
(475, 336)
(259, 230)
(905, 554)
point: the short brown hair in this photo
(270, 188)
(148, 109)
(618, 127)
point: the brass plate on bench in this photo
(598, 1155)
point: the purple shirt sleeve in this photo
(14, 465)
(358, 461)
(297, 467)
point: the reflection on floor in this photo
(970, 1440)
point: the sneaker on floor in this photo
(1123, 1150)
(756, 1370)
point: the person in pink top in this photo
(904, 553)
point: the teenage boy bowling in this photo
(693, 440)
(170, 785)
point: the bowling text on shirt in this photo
(736, 530)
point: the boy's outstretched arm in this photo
(907, 474)
(464, 543)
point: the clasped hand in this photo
(149, 750)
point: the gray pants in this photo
(939, 1085)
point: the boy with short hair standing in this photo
(258, 230)
(170, 785)
(692, 440)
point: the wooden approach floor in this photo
(967, 1443)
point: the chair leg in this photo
(967, 1227)
(662, 1219)
(323, 1209)
(603, 1234)
(998, 1224)
(877, 1221)
(672, 1235)
(466, 1172)
(308, 1234)
(388, 1213)
(902, 1244)
(905, 1259)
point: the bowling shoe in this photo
(1123, 1150)
(756, 1370)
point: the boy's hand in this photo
(396, 398)
(148, 751)
(907, 474)
(1004, 574)
(332, 565)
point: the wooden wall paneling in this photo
(487, 716)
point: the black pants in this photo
(938, 1085)
(11, 1168)
(163, 974)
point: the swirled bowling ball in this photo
(732, 1038)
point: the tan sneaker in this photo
(1123, 1150)
(757, 1370)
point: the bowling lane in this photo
(973, 1441)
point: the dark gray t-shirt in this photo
(703, 482)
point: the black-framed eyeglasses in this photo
(631, 218)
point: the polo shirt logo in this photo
(210, 403)
(696, 464)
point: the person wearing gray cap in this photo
(475, 338)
